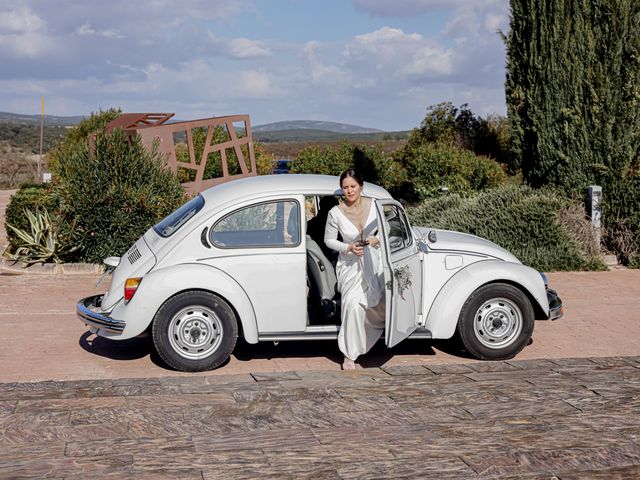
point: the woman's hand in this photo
(356, 249)
(373, 241)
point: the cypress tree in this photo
(573, 91)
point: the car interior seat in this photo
(322, 278)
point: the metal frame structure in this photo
(152, 129)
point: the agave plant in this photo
(42, 245)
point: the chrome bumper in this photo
(555, 305)
(87, 311)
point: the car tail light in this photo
(130, 287)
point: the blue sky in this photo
(374, 63)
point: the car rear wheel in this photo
(496, 322)
(195, 331)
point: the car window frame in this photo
(251, 247)
(199, 203)
(407, 227)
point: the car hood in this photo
(463, 242)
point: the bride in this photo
(359, 269)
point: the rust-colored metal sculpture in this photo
(222, 143)
(130, 122)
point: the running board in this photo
(324, 332)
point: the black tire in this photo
(195, 331)
(496, 322)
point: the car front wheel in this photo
(496, 322)
(195, 331)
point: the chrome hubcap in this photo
(195, 332)
(497, 323)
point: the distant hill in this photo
(6, 117)
(17, 124)
(311, 135)
(313, 125)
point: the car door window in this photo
(266, 224)
(397, 228)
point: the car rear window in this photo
(172, 223)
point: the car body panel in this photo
(449, 241)
(161, 284)
(443, 313)
(403, 302)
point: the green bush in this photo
(621, 215)
(111, 194)
(434, 167)
(79, 135)
(32, 197)
(541, 228)
(42, 243)
(371, 162)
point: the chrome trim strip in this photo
(279, 337)
(95, 319)
(325, 332)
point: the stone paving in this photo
(421, 410)
(540, 419)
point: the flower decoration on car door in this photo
(403, 277)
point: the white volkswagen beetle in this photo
(236, 260)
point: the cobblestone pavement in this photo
(541, 419)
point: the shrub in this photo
(448, 125)
(113, 194)
(621, 215)
(434, 166)
(371, 162)
(15, 166)
(32, 197)
(42, 243)
(79, 135)
(541, 228)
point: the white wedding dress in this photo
(360, 282)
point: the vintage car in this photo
(236, 261)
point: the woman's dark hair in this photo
(353, 174)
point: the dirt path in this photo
(42, 338)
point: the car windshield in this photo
(173, 222)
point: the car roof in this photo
(292, 184)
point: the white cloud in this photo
(321, 73)
(389, 52)
(86, 29)
(254, 84)
(20, 20)
(495, 22)
(23, 34)
(244, 48)
(406, 8)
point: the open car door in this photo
(402, 261)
